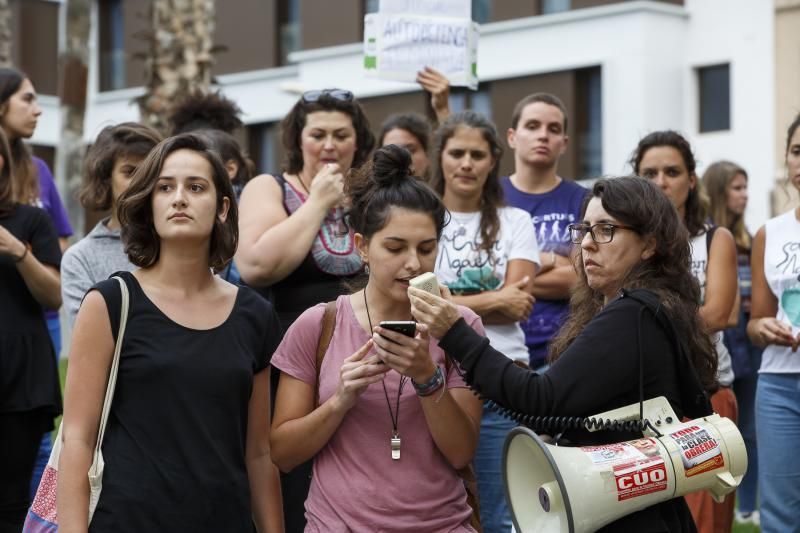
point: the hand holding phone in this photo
(405, 327)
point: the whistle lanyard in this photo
(395, 441)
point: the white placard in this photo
(428, 8)
(397, 46)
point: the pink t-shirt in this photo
(356, 486)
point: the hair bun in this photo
(391, 164)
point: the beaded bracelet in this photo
(430, 386)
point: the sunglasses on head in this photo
(337, 94)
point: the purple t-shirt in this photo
(551, 213)
(50, 201)
(356, 485)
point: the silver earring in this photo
(366, 269)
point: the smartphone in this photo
(406, 327)
(426, 282)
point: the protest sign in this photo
(397, 44)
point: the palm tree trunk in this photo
(73, 76)
(180, 58)
(5, 34)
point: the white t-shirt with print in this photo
(466, 269)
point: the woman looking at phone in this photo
(386, 438)
(488, 257)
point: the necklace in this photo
(395, 416)
(302, 184)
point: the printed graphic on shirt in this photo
(552, 231)
(790, 266)
(475, 269)
(700, 452)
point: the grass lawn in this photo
(737, 528)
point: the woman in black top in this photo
(636, 301)
(29, 391)
(187, 442)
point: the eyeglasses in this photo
(342, 95)
(601, 233)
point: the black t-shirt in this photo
(174, 446)
(28, 369)
(598, 372)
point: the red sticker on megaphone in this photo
(700, 452)
(640, 478)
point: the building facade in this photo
(723, 72)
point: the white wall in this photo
(739, 32)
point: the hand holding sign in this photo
(438, 85)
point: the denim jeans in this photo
(54, 327)
(778, 428)
(495, 514)
(745, 390)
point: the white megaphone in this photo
(559, 489)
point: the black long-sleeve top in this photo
(598, 372)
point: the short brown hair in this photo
(294, 122)
(545, 98)
(129, 139)
(135, 209)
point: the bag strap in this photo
(112, 374)
(325, 336)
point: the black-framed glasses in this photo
(602, 232)
(342, 95)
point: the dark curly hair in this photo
(135, 209)
(696, 209)
(638, 203)
(129, 139)
(204, 111)
(384, 183)
(492, 197)
(294, 122)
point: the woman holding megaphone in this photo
(633, 325)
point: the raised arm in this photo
(91, 352)
(271, 243)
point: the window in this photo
(263, 147)
(462, 98)
(715, 98)
(112, 45)
(371, 6)
(288, 29)
(555, 6)
(589, 122)
(482, 11)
